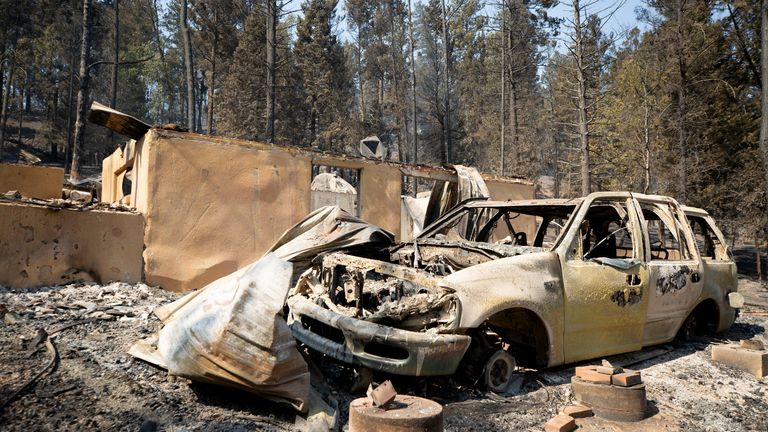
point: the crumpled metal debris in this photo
(232, 331)
(445, 195)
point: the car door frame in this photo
(669, 300)
(599, 317)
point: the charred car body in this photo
(533, 283)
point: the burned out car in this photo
(494, 285)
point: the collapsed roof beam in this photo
(116, 121)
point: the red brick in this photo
(560, 423)
(627, 379)
(595, 377)
(577, 411)
(580, 370)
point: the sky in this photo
(624, 17)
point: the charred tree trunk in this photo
(503, 84)
(22, 108)
(271, 68)
(361, 83)
(682, 136)
(646, 140)
(199, 101)
(82, 93)
(764, 95)
(189, 67)
(68, 148)
(5, 102)
(116, 63)
(446, 90)
(513, 123)
(583, 119)
(212, 84)
(414, 126)
(55, 121)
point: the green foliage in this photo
(326, 82)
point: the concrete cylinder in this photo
(404, 414)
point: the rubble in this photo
(382, 395)
(96, 385)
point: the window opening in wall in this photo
(332, 185)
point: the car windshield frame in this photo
(564, 208)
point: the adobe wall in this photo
(40, 246)
(32, 181)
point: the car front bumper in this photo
(375, 346)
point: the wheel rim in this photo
(499, 370)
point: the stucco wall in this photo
(111, 184)
(213, 205)
(509, 190)
(40, 246)
(32, 181)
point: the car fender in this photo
(529, 281)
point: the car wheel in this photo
(688, 331)
(499, 370)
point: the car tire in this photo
(689, 329)
(498, 371)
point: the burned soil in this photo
(95, 384)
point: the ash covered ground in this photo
(96, 385)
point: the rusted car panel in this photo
(548, 281)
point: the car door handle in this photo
(634, 280)
(695, 277)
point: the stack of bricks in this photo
(613, 393)
(620, 402)
(607, 374)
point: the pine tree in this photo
(326, 82)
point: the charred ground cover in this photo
(95, 384)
